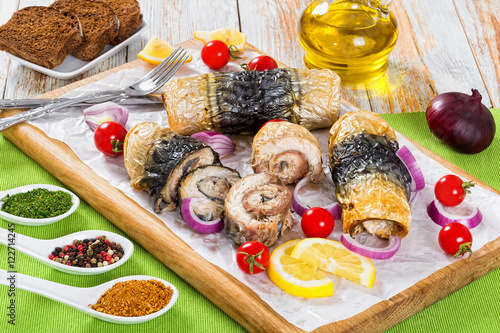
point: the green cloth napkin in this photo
(473, 308)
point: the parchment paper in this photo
(418, 257)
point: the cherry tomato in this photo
(215, 54)
(455, 239)
(450, 190)
(317, 222)
(253, 257)
(272, 121)
(262, 63)
(109, 137)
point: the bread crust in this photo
(44, 36)
(129, 15)
(99, 22)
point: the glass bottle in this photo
(351, 37)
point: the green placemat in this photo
(473, 308)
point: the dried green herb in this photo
(39, 203)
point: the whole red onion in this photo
(461, 121)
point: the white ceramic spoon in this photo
(33, 222)
(40, 249)
(81, 298)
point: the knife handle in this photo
(26, 103)
(47, 109)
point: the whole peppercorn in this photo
(94, 252)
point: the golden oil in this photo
(352, 38)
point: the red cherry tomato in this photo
(450, 190)
(109, 137)
(253, 257)
(317, 222)
(215, 54)
(272, 121)
(455, 239)
(262, 63)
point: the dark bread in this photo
(41, 35)
(99, 23)
(129, 15)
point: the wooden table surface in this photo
(444, 45)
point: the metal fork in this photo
(146, 85)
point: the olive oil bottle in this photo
(352, 38)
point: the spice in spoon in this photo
(88, 253)
(134, 298)
(39, 203)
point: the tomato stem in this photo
(117, 147)
(463, 249)
(466, 186)
(251, 260)
(233, 50)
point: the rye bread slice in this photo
(99, 23)
(44, 36)
(129, 15)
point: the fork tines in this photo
(168, 67)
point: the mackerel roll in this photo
(240, 102)
(257, 208)
(287, 151)
(211, 183)
(156, 158)
(372, 183)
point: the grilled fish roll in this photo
(156, 158)
(257, 208)
(287, 151)
(210, 182)
(372, 184)
(240, 102)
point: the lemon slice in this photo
(297, 277)
(228, 35)
(157, 50)
(332, 257)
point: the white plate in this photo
(72, 66)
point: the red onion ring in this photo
(417, 177)
(442, 215)
(222, 144)
(194, 222)
(372, 252)
(109, 111)
(300, 208)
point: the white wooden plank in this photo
(6, 10)
(175, 21)
(481, 22)
(441, 41)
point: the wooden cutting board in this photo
(214, 283)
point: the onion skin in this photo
(461, 121)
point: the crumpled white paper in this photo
(418, 257)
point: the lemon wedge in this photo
(295, 276)
(157, 50)
(228, 35)
(333, 257)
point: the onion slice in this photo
(300, 208)
(372, 252)
(194, 222)
(417, 177)
(464, 213)
(219, 142)
(100, 113)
